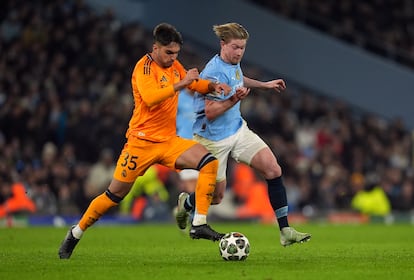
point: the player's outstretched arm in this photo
(278, 84)
(194, 83)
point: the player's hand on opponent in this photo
(278, 85)
(221, 89)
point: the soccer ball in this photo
(234, 246)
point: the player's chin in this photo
(168, 64)
(236, 60)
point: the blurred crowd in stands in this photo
(379, 26)
(65, 102)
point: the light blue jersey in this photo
(185, 115)
(228, 123)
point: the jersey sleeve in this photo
(151, 91)
(199, 85)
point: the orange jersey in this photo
(154, 115)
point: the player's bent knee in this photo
(273, 172)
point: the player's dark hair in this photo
(165, 34)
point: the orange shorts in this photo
(138, 155)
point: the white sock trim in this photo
(77, 232)
(199, 219)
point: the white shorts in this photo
(242, 146)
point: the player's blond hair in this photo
(231, 30)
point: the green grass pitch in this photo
(160, 251)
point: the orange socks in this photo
(205, 187)
(96, 209)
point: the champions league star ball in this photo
(234, 246)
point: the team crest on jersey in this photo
(237, 74)
(176, 74)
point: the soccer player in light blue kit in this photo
(220, 127)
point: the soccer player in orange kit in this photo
(157, 79)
